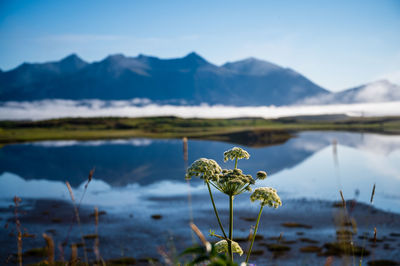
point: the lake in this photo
(137, 178)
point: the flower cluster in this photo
(233, 182)
(236, 153)
(222, 247)
(203, 168)
(267, 196)
(261, 175)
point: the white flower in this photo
(206, 169)
(222, 247)
(267, 196)
(234, 153)
(234, 182)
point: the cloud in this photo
(47, 109)
(379, 91)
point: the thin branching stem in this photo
(236, 160)
(243, 189)
(230, 227)
(254, 234)
(215, 210)
(216, 186)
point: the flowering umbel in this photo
(206, 169)
(222, 247)
(234, 182)
(267, 197)
(236, 153)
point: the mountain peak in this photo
(252, 66)
(115, 57)
(71, 57)
(376, 91)
(72, 63)
(251, 60)
(380, 82)
(142, 56)
(194, 57)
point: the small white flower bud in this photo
(222, 247)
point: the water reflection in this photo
(303, 167)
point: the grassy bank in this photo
(259, 131)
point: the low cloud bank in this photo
(47, 109)
(378, 91)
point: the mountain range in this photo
(187, 80)
(378, 91)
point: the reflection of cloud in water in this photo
(302, 167)
(379, 144)
(66, 143)
(386, 166)
(315, 178)
(99, 193)
(46, 109)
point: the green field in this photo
(253, 131)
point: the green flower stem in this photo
(216, 187)
(236, 159)
(230, 227)
(215, 210)
(243, 189)
(254, 234)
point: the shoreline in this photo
(260, 132)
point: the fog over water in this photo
(47, 109)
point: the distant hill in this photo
(378, 91)
(190, 80)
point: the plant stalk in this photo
(215, 210)
(236, 159)
(254, 234)
(230, 227)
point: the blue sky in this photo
(337, 44)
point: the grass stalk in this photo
(50, 248)
(254, 234)
(78, 220)
(368, 220)
(79, 204)
(347, 220)
(18, 228)
(215, 210)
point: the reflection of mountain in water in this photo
(143, 161)
(375, 143)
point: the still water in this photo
(312, 165)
